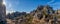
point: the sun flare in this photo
(4, 2)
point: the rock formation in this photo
(2, 13)
(42, 15)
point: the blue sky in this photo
(29, 5)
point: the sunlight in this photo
(4, 2)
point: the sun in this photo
(4, 2)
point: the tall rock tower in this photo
(2, 12)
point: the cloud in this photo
(7, 11)
(9, 8)
(10, 5)
(50, 1)
(56, 3)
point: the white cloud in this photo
(9, 8)
(56, 3)
(9, 5)
(9, 11)
(28, 12)
(51, 1)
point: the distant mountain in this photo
(15, 14)
(42, 15)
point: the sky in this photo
(28, 5)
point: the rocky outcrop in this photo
(42, 15)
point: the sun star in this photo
(4, 2)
